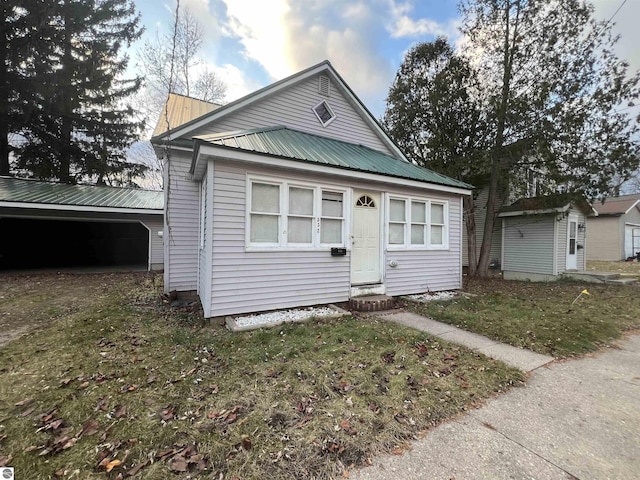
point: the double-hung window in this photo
(294, 215)
(417, 223)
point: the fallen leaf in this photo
(89, 428)
(134, 471)
(4, 461)
(30, 449)
(102, 405)
(151, 379)
(388, 357)
(246, 442)
(65, 382)
(167, 414)
(28, 411)
(113, 464)
(26, 401)
(121, 411)
(178, 464)
(59, 473)
(83, 385)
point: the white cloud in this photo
(402, 25)
(261, 28)
(238, 85)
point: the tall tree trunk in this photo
(497, 154)
(470, 224)
(66, 125)
(4, 102)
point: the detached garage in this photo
(50, 225)
(615, 233)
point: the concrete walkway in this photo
(577, 419)
(524, 360)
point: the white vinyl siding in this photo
(423, 270)
(248, 281)
(183, 216)
(529, 244)
(293, 108)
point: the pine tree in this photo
(78, 126)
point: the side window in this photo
(397, 221)
(265, 213)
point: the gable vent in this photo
(324, 85)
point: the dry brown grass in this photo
(115, 379)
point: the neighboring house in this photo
(615, 233)
(543, 237)
(294, 195)
(52, 225)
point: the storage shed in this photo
(51, 225)
(543, 237)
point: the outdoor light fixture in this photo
(581, 226)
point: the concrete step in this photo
(622, 281)
(591, 277)
(371, 303)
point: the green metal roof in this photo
(21, 190)
(287, 143)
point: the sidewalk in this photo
(578, 419)
(524, 360)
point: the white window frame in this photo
(329, 109)
(408, 221)
(283, 216)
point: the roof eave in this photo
(205, 149)
(81, 208)
(544, 211)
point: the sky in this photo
(252, 43)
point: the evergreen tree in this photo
(434, 118)
(77, 126)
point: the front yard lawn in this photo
(542, 316)
(112, 384)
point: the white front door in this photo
(572, 247)
(365, 238)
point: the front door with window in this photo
(365, 248)
(572, 247)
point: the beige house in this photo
(615, 233)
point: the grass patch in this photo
(125, 382)
(541, 316)
(626, 269)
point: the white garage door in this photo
(631, 240)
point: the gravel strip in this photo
(431, 296)
(294, 315)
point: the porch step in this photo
(622, 281)
(371, 303)
(592, 277)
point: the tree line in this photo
(68, 110)
(535, 90)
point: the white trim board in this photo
(260, 159)
(80, 208)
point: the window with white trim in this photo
(324, 112)
(294, 215)
(417, 223)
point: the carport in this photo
(48, 225)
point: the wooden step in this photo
(371, 303)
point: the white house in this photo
(294, 195)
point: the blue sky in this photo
(251, 43)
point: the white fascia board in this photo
(632, 207)
(271, 161)
(80, 208)
(519, 213)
